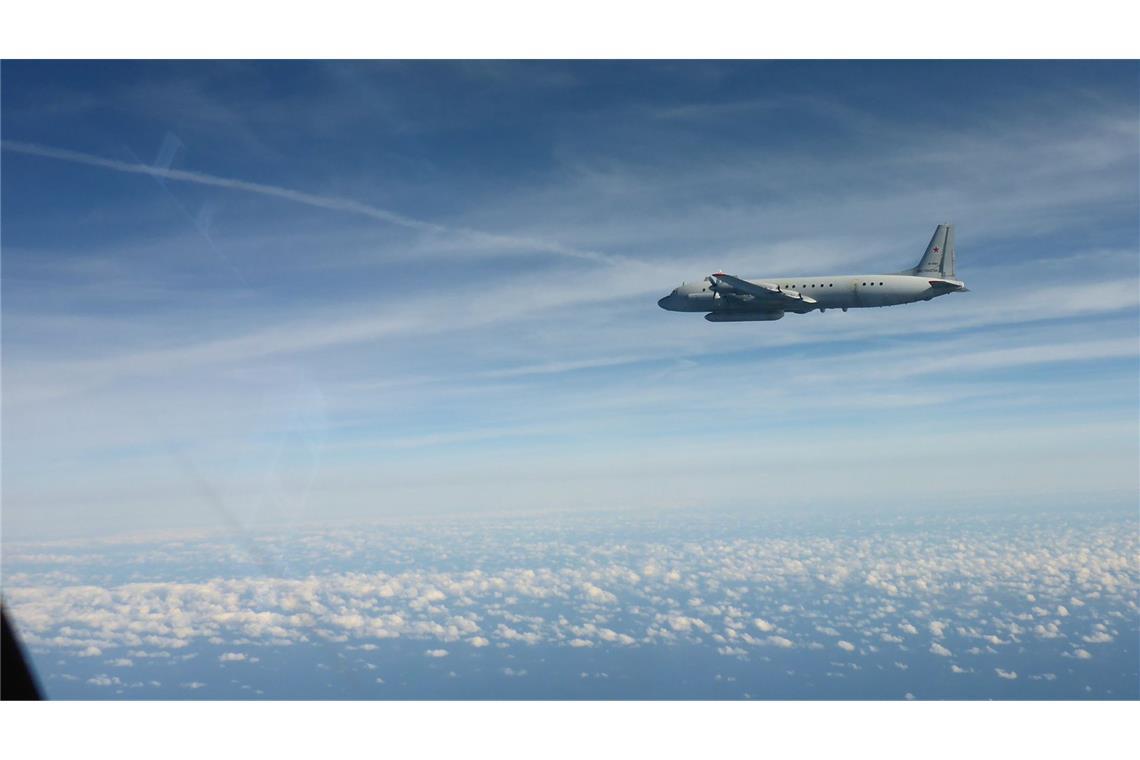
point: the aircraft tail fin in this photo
(948, 256)
(938, 261)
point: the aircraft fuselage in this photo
(727, 298)
(835, 292)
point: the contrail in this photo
(346, 205)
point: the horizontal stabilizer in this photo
(948, 285)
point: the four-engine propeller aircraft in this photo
(726, 298)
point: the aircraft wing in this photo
(762, 294)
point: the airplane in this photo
(727, 298)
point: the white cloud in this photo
(724, 584)
(105, 680)
(1099, 637)
(732, 651)
(436, 653)
(232, 657)
(685, 623)
(1006, 674)
(595, 594)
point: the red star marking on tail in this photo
(936, 249)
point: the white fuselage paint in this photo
(842, 292)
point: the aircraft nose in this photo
(669, 302)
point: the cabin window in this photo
(880, 283)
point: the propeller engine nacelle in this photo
(718, 285)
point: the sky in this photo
(245, 294)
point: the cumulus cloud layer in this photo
(957, 593)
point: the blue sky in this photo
(368, 290)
